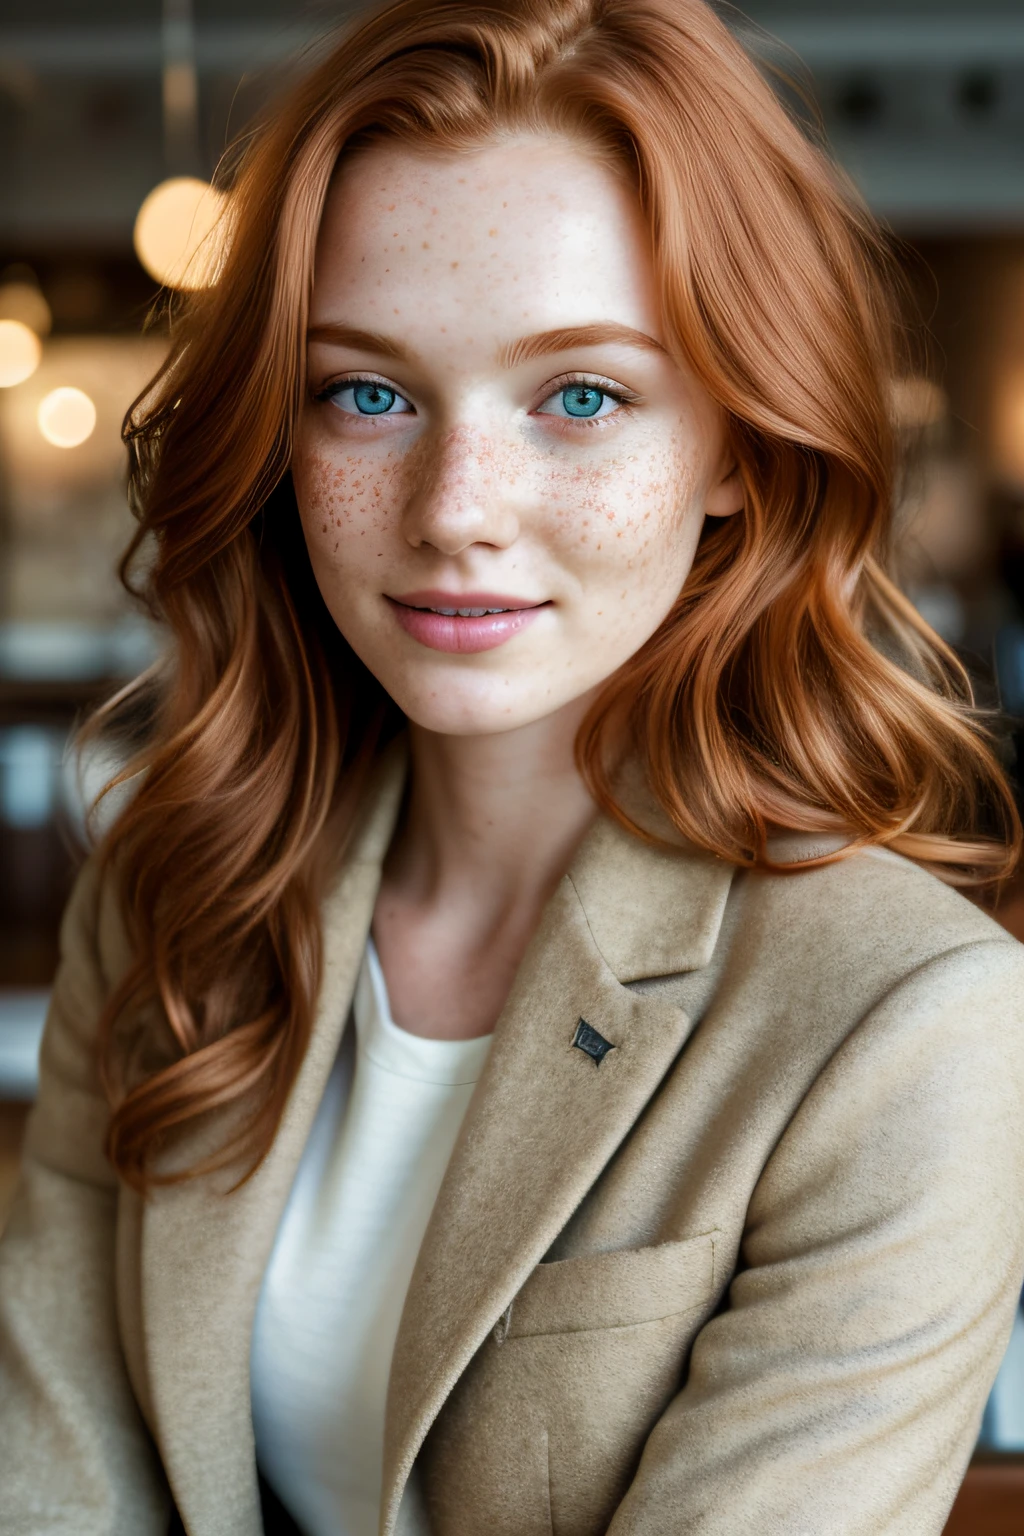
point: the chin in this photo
(451, 711)
(448, 721)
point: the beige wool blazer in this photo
(751, 1273)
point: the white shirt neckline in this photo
(386, 1043)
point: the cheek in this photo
(630, 513)
(344, 497)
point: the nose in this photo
(463, 493)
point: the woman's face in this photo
(492, 423)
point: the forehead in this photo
(530, 232)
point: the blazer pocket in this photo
(614, 1290)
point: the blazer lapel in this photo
(204, 1251)
(546, 1117)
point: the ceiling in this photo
(923, 101)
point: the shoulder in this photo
(873, 912)
(806, 962)
(95, 954)
(68, 1124)
(903, 1004)
(95, 950)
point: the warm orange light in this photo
(179, 233)
(24, 302)
(66, 417)
(1009, 426)
(20, 352)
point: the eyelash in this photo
(625, 398)
(348, 381)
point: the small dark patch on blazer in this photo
(591, 1043)
(501, 1327)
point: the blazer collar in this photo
(543, 1122)
(652, 910)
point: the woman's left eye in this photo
(366, 397)
(580, 402)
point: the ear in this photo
(726, 495)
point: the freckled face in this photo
(492, 423)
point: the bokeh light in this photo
(20, 351)
(179, 233)
(1009, 427)
(66, 417)
(25, 302)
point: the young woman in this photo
(514, 1067)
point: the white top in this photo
(335, 1285)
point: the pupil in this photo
(373, 399)
(582, 400)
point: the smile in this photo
(463, 628)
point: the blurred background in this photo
(112, 118)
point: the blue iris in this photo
(373, 399)
(582, 399)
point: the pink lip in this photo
(442, 632)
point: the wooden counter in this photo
(991, 1501)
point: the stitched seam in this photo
(550, 1333)
(590, 930)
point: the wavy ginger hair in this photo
(792, 685)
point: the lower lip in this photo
(443, 632)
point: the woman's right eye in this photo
(366, 397)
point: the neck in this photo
(492, 821)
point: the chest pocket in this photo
(613, 1290)
(543, 1433)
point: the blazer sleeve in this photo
(75, 1456)
(842, 1387)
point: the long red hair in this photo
(792, 685)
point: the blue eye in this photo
(582, 400)
(366, 397)
(579, 401)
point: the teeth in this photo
(465, 613)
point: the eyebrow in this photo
(541, 343)
(360, 341)
(512, 354)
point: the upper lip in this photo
(432, 598)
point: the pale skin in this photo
(467, 308)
